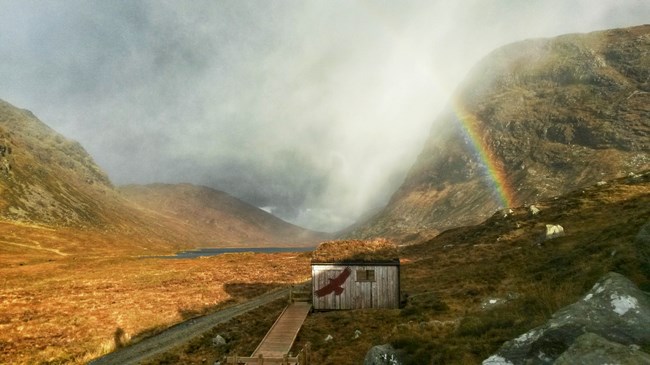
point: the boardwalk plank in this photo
(279, 340)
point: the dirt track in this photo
(182, 332)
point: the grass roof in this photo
(376, 250)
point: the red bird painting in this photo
(335, 284)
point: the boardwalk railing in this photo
(303, 358)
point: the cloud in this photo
(315, 108)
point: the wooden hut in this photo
(355, 274)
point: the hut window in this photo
(365, 275)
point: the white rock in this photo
(530, 335)
(623, 303)
(496, 360)
(554, 231)
(534, 210)
(329, 338)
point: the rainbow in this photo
(494, 168)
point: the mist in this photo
(312, 110)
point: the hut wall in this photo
(378, 289)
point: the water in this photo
(192, 254)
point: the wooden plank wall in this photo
(383, 292)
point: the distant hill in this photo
(533, 120)
(212, 216)
(47, 180)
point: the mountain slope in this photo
(54, 198)
(533, 120)
(212, 216)
(47, 178)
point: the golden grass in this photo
(57, 309)
(72, 309)
(379, 249)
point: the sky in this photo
(312, 110)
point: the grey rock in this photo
(383, 355)
(592, 349)
(218, 340)
(643, 237)
(614, 309)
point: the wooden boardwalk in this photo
(280, 338)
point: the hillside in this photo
(533, 120)
(54, 197)
(472, 288)
(47, 178)
(210, 216)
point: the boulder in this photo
(592, 349)
(383, 355)
(614, 309)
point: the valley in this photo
(543, 133)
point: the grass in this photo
(449, 277)
(378, 249)
(69, 309)
(73, 309)
(242, 335)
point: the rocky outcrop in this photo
(533, 120)
(614, 309)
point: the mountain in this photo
(212, 216)
(47, 178)
(53, 193)
(533, 120)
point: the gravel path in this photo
(182, 332)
